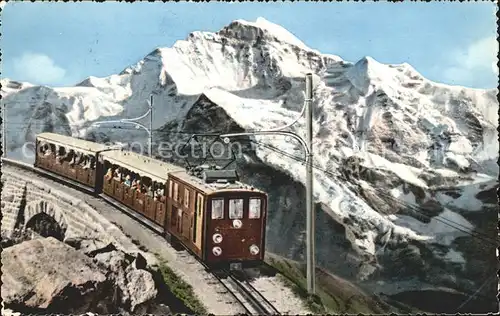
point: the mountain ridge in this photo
(386, 126)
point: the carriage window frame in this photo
(186, 197)
(176, 191)
(199, 203)
(170, 188)
(232, 210)
(221, 216)
(257, 214)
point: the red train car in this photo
(69, 157)
(221, 220)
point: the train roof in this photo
(209, 188)
(145, 166)
(71, 142)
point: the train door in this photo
(186, 215)
(198, 220)
(179, 221)
(176, 215)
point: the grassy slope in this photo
(333, 294)
(180, 289)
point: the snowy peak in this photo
(369, 72)
(261, 29)
(11, 86)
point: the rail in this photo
(250, 298)
(246, 294)
(261, 305)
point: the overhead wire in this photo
(417, 209)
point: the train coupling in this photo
(236, 266)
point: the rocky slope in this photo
(56, 278)
(406, 171)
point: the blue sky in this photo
(60, 44)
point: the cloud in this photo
(474, 63)
(38, 69)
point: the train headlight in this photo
(217, 251)
(254, 250)
(237, 223)
(217, 238)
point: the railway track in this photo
(245, 293)
(248, 296)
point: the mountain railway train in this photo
(219, 219)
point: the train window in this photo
(176, 191)
(186, 197)
(254, 208)
(236, 208)
(218, 209)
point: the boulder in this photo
(133, 283)
(114, 260)
(51, 277)
(141, 287)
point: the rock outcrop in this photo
(45, 275)
(134, 285)
(48, 275)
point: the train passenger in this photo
(75, 159)
(159, 192)
(134, 184)
(92, 163)
(83, 161)
(150, 191)
(48, 150)
(88, 162)
(60, 155)
(139, 186)
(127, 181)
(43, 148)
(109, 174)
(69, 156)
(78, 159)
(72, 161)
(118, 175)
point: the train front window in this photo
(218, 209)
(236, 208)
(254, 208)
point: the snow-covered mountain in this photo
(405, 171)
